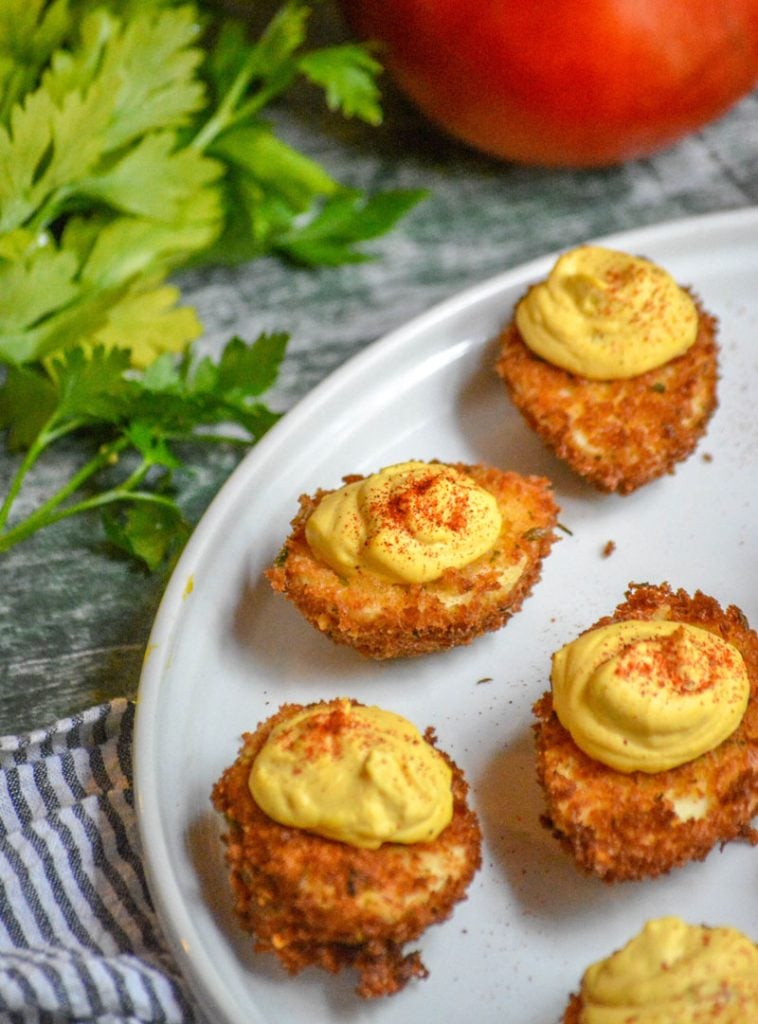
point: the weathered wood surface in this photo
(74, 618)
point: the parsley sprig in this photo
(146, 414)
(134, 141)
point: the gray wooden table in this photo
(75, 618)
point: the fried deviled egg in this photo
(614, 365)
(419, 557)
(647, 743)
(672, 972)
(349, 833)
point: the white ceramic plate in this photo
(225, 652)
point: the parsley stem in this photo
(135, 478)
(47, 511)
(17, 482)
(36, 522)
(224, 114)
(229, 113)
(45, 437)
(49, 210)
(239, 442)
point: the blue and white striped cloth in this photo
(79, 940)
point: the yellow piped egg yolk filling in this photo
(361, 775)
(407, 523)
(649, 695)
(673, 971)
(605, 315)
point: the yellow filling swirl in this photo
(406, 524)
(605, 315)
(649, 695)
(357, 774)
(671, 972)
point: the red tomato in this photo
(566, 82)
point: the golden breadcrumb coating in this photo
(315, 901)
(391, 620)
(617, 434)
(573, 1013)
(626, 826)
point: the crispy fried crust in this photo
(314, 901)
(623, 827)
(617, 434)
(573, 1011)
(390, 620)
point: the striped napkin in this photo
(79, 940)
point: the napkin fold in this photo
(79, 939)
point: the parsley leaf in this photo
(30, 30)
(27, 400)
(152, 532)
(345, 218)
(347, 73)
